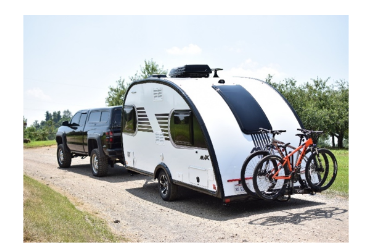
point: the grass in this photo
(35, 144)
(341, 184)
(50, 217)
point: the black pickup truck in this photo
(95, 133)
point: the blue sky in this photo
(70, 61)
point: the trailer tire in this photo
(166, 187)
(99, 163)
(64, 157)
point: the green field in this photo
(35, 144)
(50, 217)
(341, 185)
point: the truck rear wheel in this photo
(64, 157)
(99, 163)
(166, 188)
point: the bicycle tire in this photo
(321, 170)
(265, 186)
(246, 173)
(302, 179)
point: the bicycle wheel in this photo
(321, 170)
(303, 164)
(265, 186)
(247, 171)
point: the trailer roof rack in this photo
(191, 71)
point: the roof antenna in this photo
(216, 69)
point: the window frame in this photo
(135, 117)
(191, 131)
(79, 113)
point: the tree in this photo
(46, 129)
(56, 116)
(149, 68)
(116, 95)
(48, 116)
(24, 126)
(67, 115)
(338, 107)
(319, 105)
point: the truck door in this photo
(81, 133)
(75, 136)
(71, 135)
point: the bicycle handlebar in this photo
(309, 132)
(274, 132)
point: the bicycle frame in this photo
(286, 159)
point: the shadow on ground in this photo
(212, 208)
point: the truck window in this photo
(83, 119)
(116, 119)
(105, 116)
(185, 129)
(75, 118)
(94, 116)
(129, 119)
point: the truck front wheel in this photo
(99, 163)
(64, 157)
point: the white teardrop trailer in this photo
(196, 131)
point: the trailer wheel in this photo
(64, 157)
(99, 163)
(165, 186)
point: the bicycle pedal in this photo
(303, 185)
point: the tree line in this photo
(320, 105)
(45, 129)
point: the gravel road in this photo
(134, 209)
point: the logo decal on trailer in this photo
(205, 157)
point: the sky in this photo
(69, 62)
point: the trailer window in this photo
(185, 129)
(129, 119)
(180, 128)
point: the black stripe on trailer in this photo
(283, 97)
(244, 108)
(220, 190)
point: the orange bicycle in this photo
(274, 174)
(268, 147)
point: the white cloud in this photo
(191, 49)
(253, 69)
(38, 93)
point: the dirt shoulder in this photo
(134, 209)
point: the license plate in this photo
(239, 189)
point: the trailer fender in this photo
(161, 166)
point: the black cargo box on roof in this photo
(192, 71)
